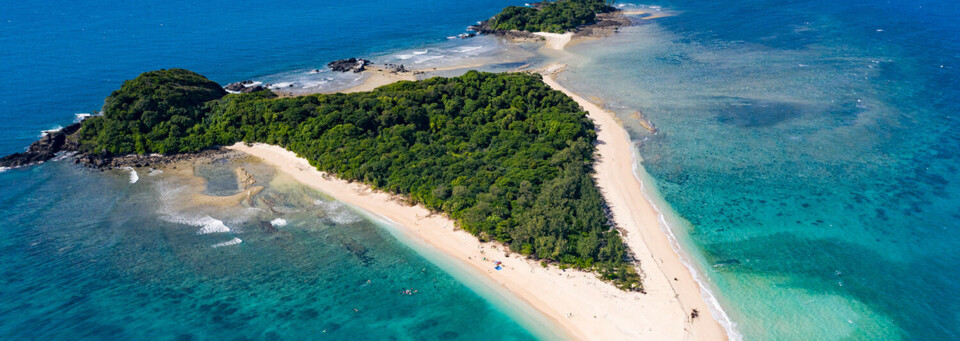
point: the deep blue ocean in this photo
(811, 148)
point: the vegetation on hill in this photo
(151, 113)
(549, 16)
(502, 154)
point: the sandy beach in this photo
(555, 41)
(377, 77)
(585, 307)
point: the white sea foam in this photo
(465, 49)
(50, 131)
(154, 172)
(81, 116)
(233, 241)
(420, 52)
(63, 155)
(209, 225)
(4, 169)
(134, 177)
(338, 212)
(281, 85)
(427, 58)
(706, 293)
(206, 223)
(279, 222)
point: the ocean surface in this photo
(811, 148)
(85, 254)
(807, 152)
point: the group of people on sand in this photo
(496, 264)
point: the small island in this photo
(554, 17)
(510, 175)
(503, 155)
(550, 16)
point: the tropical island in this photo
(505, 156)
(553, 17)
(512, 159)
(550, 16)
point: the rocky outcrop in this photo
(245, 87)
(238, 86)
(250, 89)
(395, 68)
(353, 64)
(107, 161)
(44, 149)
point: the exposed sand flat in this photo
(377, 77)
(647, 14)
(556, 41)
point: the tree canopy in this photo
(151, 113)
(556, 16)
(503, 155)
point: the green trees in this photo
(502, 154)
(556, 17)
(151, 113)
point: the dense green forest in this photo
(556, 16)
(505, 156)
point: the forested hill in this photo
(502, 154)
(549, 16)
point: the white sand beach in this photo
(584, 306)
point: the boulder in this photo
(251, 89)
(43, 149)
(351, 64)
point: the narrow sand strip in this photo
(665, 274)
(556, 41)
(377, 77)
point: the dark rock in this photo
(266, 226)
(244, 87)
(394, 68)
(252, 89)
(44, 149)
(234, 86)
(109, 161)
(352, 64)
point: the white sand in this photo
(585, 307)
(556, 41)
(634, 213)
(377, 77)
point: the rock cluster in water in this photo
(44, 149)
(244, 87)
(353, 64)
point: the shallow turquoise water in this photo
(89, 255)
(812, 149)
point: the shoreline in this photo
(592, 309)
(376, 77)
(635, 213)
